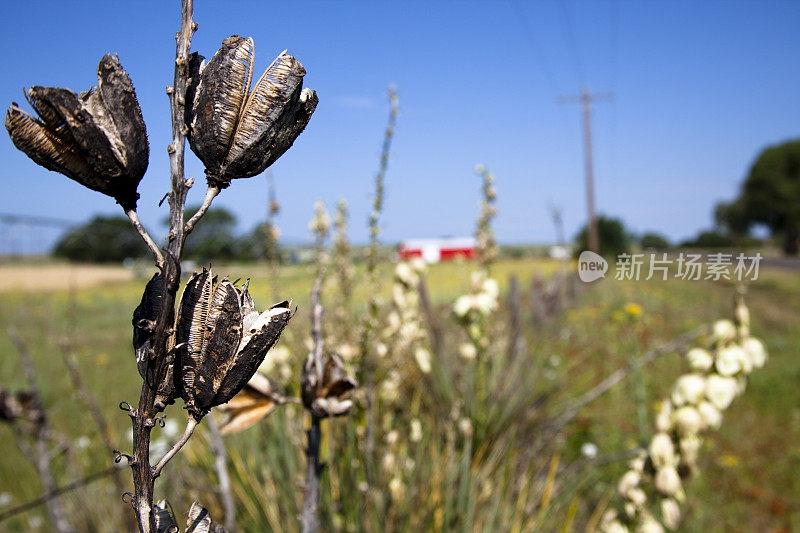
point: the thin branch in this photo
(91, 401)
(134, 218)
(514, 326)
(316, 325)
(311, 496)
(431, 320)
(220, 465)
(679, 342)
(187, 433)
(211, 193)
(56, 492)
(40, 454)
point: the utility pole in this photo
(585, 99)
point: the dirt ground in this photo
(46, 278)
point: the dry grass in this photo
(59, 277)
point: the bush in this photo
(101, 240)
(614, 238)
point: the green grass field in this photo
(749, 468)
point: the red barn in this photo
(435, 250)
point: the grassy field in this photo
(749, 468)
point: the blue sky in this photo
(700, 88)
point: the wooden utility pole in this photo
(586, 98)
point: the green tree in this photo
(101, 240)
(770, 195)
(213, 237)
(655, 241)
(709, 239)
(614, 238)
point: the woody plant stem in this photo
(144, 415)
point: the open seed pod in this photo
(237, 132)
(257, 400)
(97, 138)
(327, 392)
(220, 340)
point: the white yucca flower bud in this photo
(423, 357)
(416, 431)
(688, 421)
(485, 302)
(628, 482)
(756, 351)
(396, 489)
(721, 391)
(491, 288)
(712, 417)
(662, 451)
(730, 360)
(648, 524)
(667, 480)
(664, 417)
(670, 513)
(419, 265)
(463, 305)
(467, 350)
(614, 526)
(700, 360)
(637, 497)
(688, 388)
(723, 331)
(690, 449)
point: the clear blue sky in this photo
(700, 88)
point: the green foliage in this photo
(493, 481)
(655, 241)
(614, 237)
(101, 240)
(213, 237)
(709, 239)
(770, 195)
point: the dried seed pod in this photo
(237, 132)
(257, 400)
(144, 322)
(145, 319)
(199, 521)
(97, 139)
(218, 346)
(327, 393)
(165, 518)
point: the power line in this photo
(573, 44)
(33, 220)
(585, 98)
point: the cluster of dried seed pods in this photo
(21, 405)
(238, 132)
(326, 391)
(97, 138)
(220, 340)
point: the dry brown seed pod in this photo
(218, 347)
(238, 132)
(97, 138)
(199, 521)
(257, 400)
(328, 396)
(145, 317)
